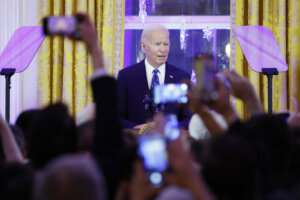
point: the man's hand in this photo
(160, 121)
(222, 103)
(294, 120)
(196, 106)
(9, 144)
(140, 186)
(242, 89)
(240, 86)
(88, 32)
(186, 172)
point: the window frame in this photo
(175, 22)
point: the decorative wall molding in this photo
(14, 14)
(174, 22)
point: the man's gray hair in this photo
(150, 28)
(70, 177)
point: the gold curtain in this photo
(282, 17)
(64, 66)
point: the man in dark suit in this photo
(137, 81)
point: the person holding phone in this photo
(108, 144)
(137, 81)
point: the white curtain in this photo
(14, 14)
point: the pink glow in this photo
(21, 48)
(260, 48)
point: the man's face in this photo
(157, 47)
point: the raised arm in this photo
(242, 89)
(10, 147)
(196, 106)
(186, 173)
(108, 143)
(89, 37)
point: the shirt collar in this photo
(150, 68)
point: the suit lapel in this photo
(169, 76)
(141, 76)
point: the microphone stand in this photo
(270, 72)
(151, 108)
(147, 101)
(8, 73)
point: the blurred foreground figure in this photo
(70, 178)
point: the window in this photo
(198, 14)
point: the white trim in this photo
(10, 15)
(174, 22)
(29, 77)
(14, 14)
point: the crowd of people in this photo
(46, 156)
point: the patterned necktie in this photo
(155, 79)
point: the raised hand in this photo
(242, 89)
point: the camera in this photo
(63, 26)
(171, 93)
(152, 149)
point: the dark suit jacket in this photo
(132, 86)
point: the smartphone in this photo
(171, 93)
(152, 149)
(63, 26)
(206, 87)
(172, 130)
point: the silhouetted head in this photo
(25, 120)
(16, 181)
(229, 168)
(70, 177)
(270, 136)
(18, 136)
(53, 133)
(85, 136)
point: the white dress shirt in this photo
(197, 128)
(149, 73)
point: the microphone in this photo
(148, 101)
(150, 107)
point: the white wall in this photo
(28, 80)
(14, 14)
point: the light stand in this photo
(269, 72)
(8, 73)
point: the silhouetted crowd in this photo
(46, 156)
